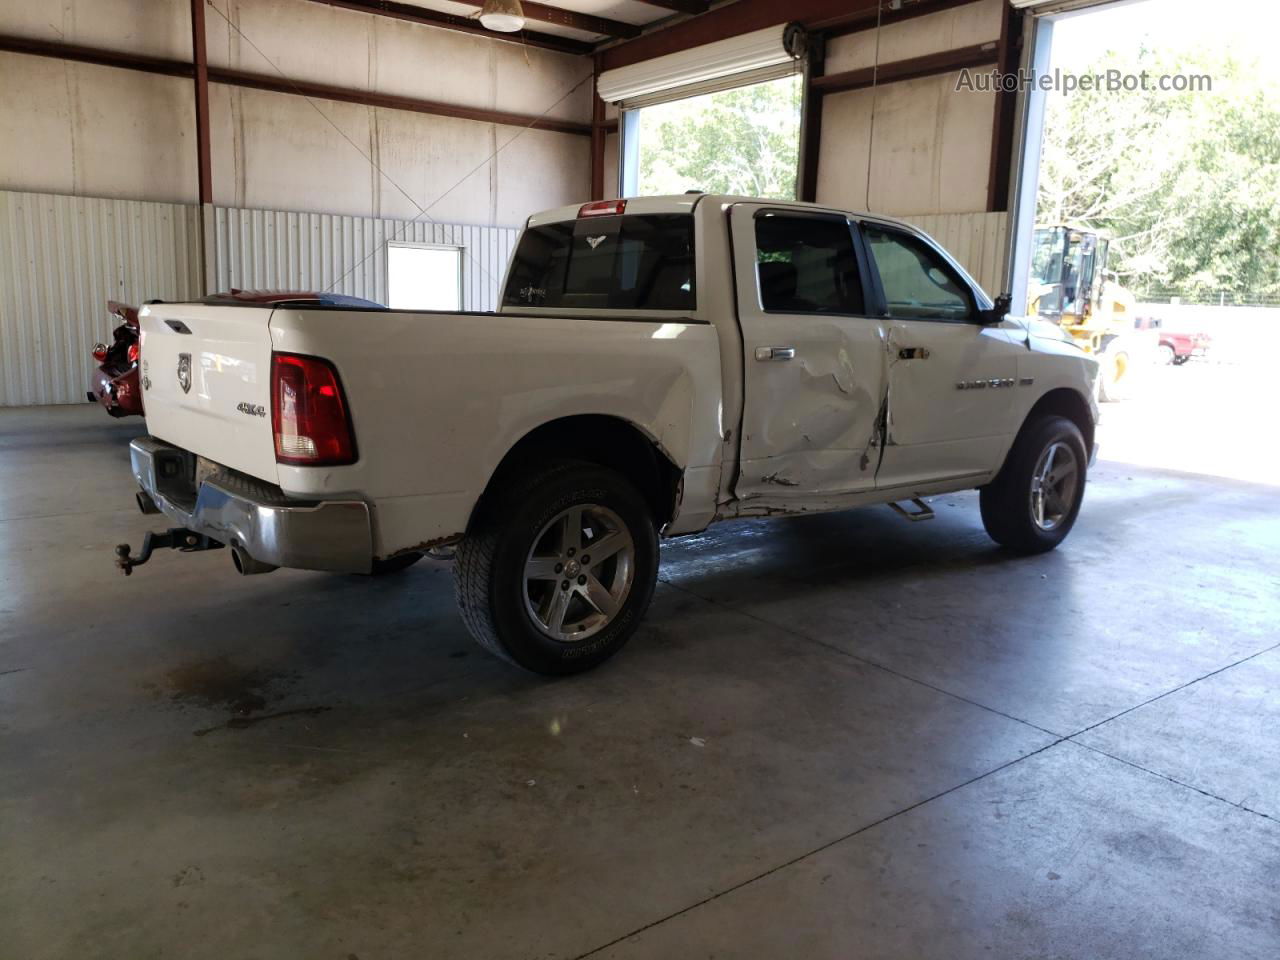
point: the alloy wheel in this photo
(1053, 485)
(579, 572)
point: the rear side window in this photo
(807, 265)
(629, 262)
(918, 283)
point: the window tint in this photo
(635, 262)
(807, 265)
(918, 284)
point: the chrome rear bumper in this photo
(238, 511)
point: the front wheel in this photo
(558, 568)
(1033, 502)
(1166, 355)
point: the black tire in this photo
(389, 565)
(489, 568)
(1006, 502)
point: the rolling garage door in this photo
(737, 61)
(1046, 7)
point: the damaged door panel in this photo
(815, 363)
(949, 377)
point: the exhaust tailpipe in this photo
(246, 566)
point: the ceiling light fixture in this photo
(504, 16)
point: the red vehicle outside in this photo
(114, 382)
(1175, 347)
(1181, 347)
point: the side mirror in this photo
(997, 313)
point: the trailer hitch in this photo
(175, 538)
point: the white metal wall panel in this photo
(977, 240)
(61, 259)
(275, 250)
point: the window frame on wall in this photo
(457, 250)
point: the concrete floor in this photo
(834, 736)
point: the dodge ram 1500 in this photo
(656, 365)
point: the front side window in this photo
(918, 283)
(807, 264)
(627, 262)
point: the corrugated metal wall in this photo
(977, 240)
(61, 260)
(272, 250)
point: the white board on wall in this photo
(424, 277)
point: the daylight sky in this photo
(1247, 28)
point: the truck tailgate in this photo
(206, 379)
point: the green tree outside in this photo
(741, 141)
(1187, 184)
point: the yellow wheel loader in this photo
(1070, 286)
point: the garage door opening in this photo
(743, 141)
(722, 117)
(1147, 221)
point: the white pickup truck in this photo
(657, 365)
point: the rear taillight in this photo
(309, 412)
(602, 208)
(133, 353)
(99, 352)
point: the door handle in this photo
(913, 353)
(775, 353)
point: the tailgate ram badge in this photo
(184, 372)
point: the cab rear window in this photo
(628, 262)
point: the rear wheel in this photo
(1033, 502)
(1166, 355)
(559, 568)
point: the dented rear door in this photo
(814, 361)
